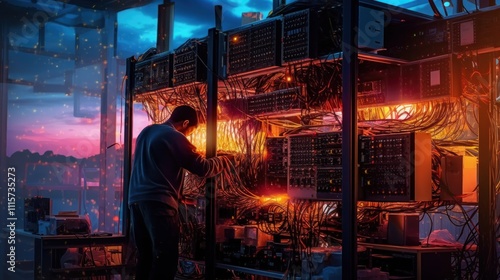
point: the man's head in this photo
(184, 118)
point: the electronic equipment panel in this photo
(312, 33)
(276, 164)
(276, 103)
(315, 165)
(301, 170)
(431, 78)
(414, 41)
(371, 29)
(436, 76)
(161, 70)
(299, 37)
(239, 45)
(190, 63)
(395, 167)
(142, 77)
(284, 101)
(328, 159)
(253, 47)
(476, 31)
(378, 84)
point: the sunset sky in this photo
(47, 121)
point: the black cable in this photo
(437, 13)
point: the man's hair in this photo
(184, 112)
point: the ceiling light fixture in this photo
(447, 3)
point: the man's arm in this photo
(196, 163)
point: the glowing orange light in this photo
(235, 39)
(228, 138)
(403, 111)
(288, 79)
(274, 198)
(116, 219)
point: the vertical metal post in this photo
(127, 160)
(218, 17)
(41, 36)
(108, 126)
(349, 138)
(460, 6)
(128, 138)
(213, 62)
(488, 261)
(278, 3)
(165, 29)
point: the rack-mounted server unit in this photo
(395, 167)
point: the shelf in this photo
(252, 271)
(46, 248)
(89, 271)
(409, 249)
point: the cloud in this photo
(187, 31)
(74, 146)
(136, 30)
(64, 135)
(237, 7)
(137, 27)
(136, 19)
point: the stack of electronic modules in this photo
(262, 45)
(169, 69)
(312, 35)
(276, 103)
(392, 167)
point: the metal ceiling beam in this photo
(109, 5)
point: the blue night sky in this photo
(192, 19)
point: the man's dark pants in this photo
(155, 231)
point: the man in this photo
(162, 155)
